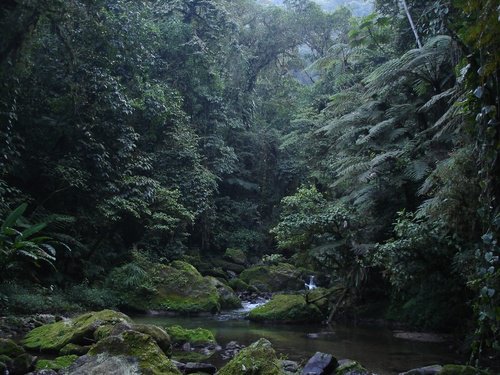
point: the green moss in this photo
(53, 337)
(238, 285)
(184, 357)
(275, 278)
(227, 297)
(198, 336)
(315, 295)
(257, 359)
(74, 349)
(227, 266)
(349, 366)
(152, 360)
(461, 370)
(56, 364)
(10, 348)
(286, 309)
(235, 256)
(158, 334)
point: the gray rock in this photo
(320, 364)
(103, 364)
(180, 366)
(290, 367)
(192, 367)
(43, 372)
(427, 370)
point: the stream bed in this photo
(375, 348)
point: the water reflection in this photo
(376, 348)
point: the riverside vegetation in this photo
(176, 157)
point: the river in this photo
(375, 348)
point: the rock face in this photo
(286, 309)
(53, 337)
(257, 359)
(320, 364)
(276, 278)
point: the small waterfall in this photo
(311, 284)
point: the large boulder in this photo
(177, 288)
(320, 364)
(257, 359)
(80, 331)
(227, 297)
(274, 278)
(150, 358)
(286, 308)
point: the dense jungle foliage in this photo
(363, 148)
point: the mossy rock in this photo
(80, 330)
(275, 278)
(315, 295)
(151, 359)
(238, 285)
(56, 364)
(257, 359)
(74, 349)
(197, 336)
(228, 266)
(181, 288)
(193, 356)
(158, 334)
(21, 364)
(9, 348)
(236, 256)
(227, 297)
(349, 366)
(461, 370)
(286, 308)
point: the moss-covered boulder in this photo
(257, 359)
(80, 330)
(236, 256)
(9, 348)
(238, 285)
(56, 364)
(286, 308)
(348, 366)
(158, 334)
(151, 359)
(227, 297)
(198, 336)
(274, 278)
(320, 297)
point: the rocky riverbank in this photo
(110, 342)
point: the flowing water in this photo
(376, 348)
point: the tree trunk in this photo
(414, 29)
